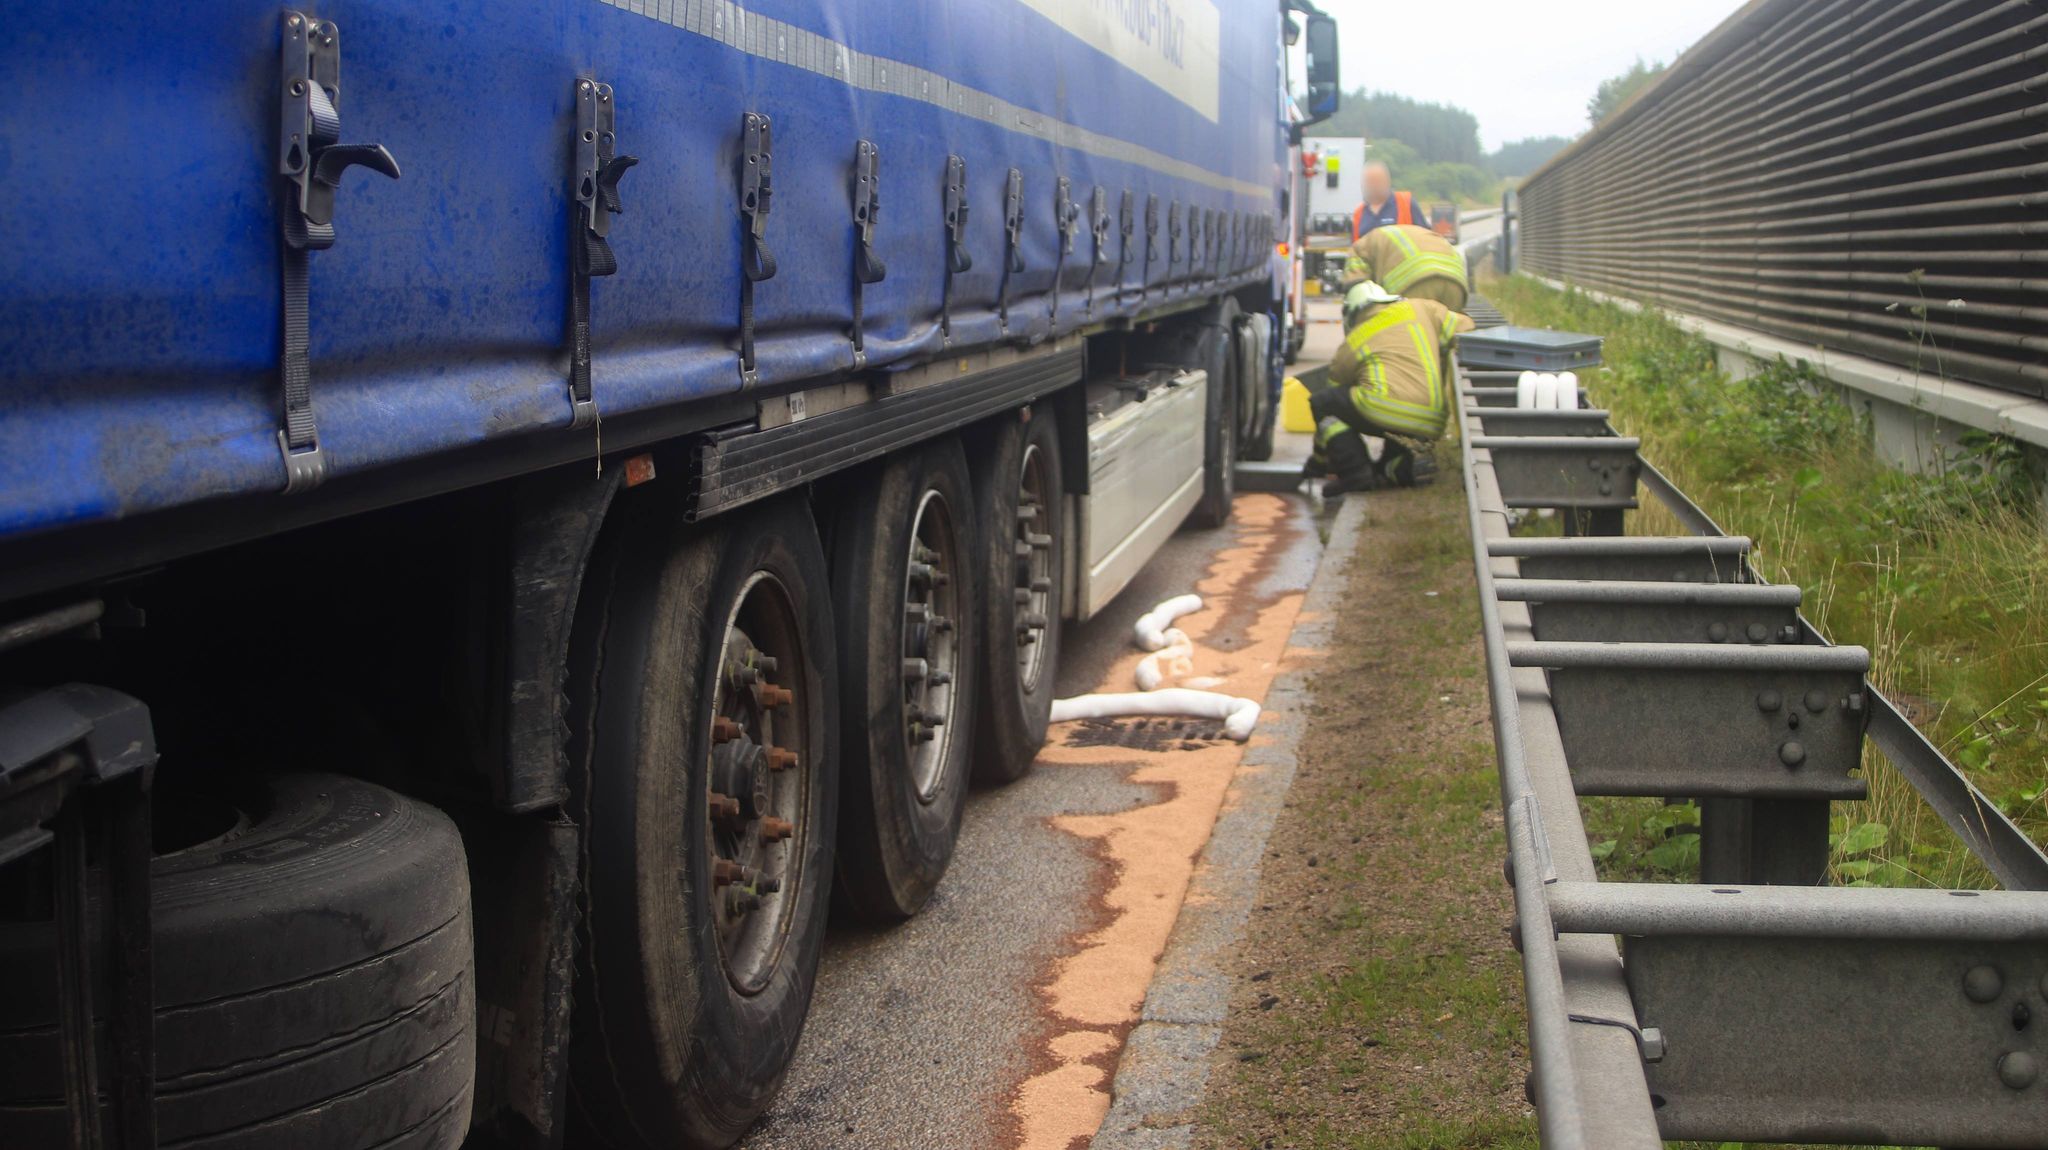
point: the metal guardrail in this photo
(1758, 1004)
(1860, 175)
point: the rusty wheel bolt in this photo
(774, 830)
(724, 806)
(725, 872)
(771, 696)
(780, 759)
(724, 730)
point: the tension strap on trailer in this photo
(1173, 233)
(757, 196)
(311, 160)
(867, 266)
(598, 170)
(1065, 216)
(1127, 227)
(958, 261)
(1098, 226)
(1151, 242)
(1013, 248)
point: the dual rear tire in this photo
(707, 717)
(759, 731)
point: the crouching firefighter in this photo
(1411, 262)
(1390, 379)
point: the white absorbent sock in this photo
(1568, 391)
(1239, 716)
(1525, 390)
(1152, 625)
(1177, 659)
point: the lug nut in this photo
(723, 806)
(1026, 512)
(774, 830)
(1036, 541)
(914, 670)
(943, 624)
(771, 696)
(781, 759)
(725, 872)
(1041, 585)
(920, 573)
(724, 730)
(940, 678)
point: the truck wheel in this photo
(905, 582)
(314, 977)
(706, 715)
(1209, 347)
(1255, 386)
(1017, 485)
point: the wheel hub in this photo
(754, 794)
(930, 649)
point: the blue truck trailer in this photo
(465, 622)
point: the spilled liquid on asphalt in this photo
(1092, 997)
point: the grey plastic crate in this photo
(1527, 348)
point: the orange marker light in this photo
(639, 470)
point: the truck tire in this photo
(314, 979)
(1255, 386)
(1209, 345)
(705, 713)
(906, 587)
(1018, 486)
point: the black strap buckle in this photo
(599, 168)
(958, 261)
(757, 197)
(867, 205)
(1013, 245)
(1151, 242)
(311, 161)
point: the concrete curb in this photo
(1164, 1070)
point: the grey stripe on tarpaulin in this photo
(771, 39)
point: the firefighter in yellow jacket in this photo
(1411, 262)
(1390, 379)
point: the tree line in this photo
(1434, 148)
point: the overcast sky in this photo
(1524, 67)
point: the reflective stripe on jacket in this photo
(1394, 365)
(1410, 261)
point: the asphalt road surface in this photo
(994, 1018)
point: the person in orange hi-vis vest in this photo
(1383, 205)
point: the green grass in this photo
(1400, 1025)
(1944, 577)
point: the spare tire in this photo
(314, 980)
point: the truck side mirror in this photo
(1323, 83)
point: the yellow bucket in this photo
(1294, 412)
